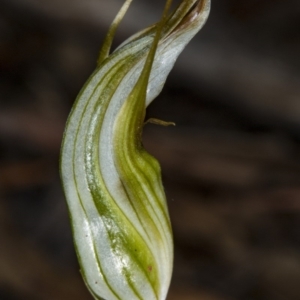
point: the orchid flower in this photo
(119, 216)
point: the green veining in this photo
(118, 209)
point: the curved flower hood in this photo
(117, 205)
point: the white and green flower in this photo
(113, 187)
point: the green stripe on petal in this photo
(117, 205)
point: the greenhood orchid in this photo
(113, 187)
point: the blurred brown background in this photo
(231, 166)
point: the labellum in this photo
(113, 187)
